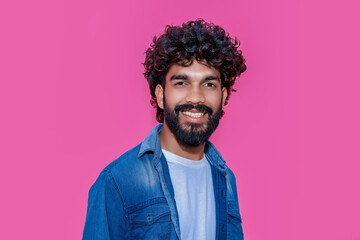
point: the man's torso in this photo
(141, 188)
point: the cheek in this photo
(214, 99)
(174, 97)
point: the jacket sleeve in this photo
(237, 229)
(105, 218)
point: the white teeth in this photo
(194, 115)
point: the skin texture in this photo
(194, 84)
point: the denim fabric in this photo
(133, 197)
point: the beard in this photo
(192, 134)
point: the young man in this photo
(175, 184)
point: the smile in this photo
(193, 115)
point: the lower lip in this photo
(193, 119)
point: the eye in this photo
(180, 83)
(210, 84)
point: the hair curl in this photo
(193, 40)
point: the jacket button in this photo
(148, 217)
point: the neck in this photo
(170, 143)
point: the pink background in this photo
(73, 99)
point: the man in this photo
(175, 184)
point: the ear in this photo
(159, 92)
(224, 95)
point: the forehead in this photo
(197, 70)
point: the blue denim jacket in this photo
(133, 197)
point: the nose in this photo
(195, 95)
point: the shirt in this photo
(194, 196)
(133, 197)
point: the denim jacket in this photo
(133, 197)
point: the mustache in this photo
(199, 107)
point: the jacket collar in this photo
(152, 144)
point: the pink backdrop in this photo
(73, 99)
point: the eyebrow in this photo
(176, 77)
(185, 77)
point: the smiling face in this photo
(192, 102)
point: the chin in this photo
(199, 128)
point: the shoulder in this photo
(133, 177)
(126, 159)
(231, 185)
(108, 175)
(230, 175)
(128, 167)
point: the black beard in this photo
(192, 134)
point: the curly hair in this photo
(197, 40)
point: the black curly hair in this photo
(198, 40)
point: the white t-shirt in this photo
(194, 196)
